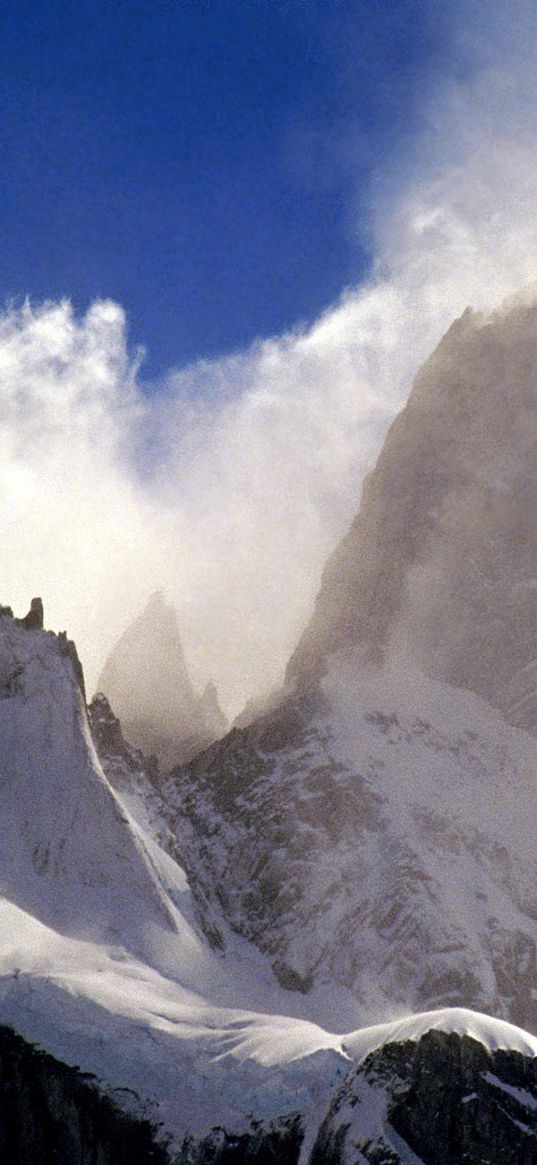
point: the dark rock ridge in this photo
(441, 561)
(34, 621)
(445, 1098)
(278, 1145)
(146, 680)
(135, 777)
(52, 1114)
(119, 760)
(440, 1100)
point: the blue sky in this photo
(209, 164)
(223, 169)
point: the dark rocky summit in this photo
(118, 758)
(52, 1114)
(34, 620)
(445, 1098)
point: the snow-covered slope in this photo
(69, 854)
(377, 829)
(439, 1089)
(99, 961)
(102, 964)
(380, 837)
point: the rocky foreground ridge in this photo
(441, 1099)
(51, 1112)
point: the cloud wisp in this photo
(229, 486)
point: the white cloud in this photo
(231, 486)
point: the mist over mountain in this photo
(147, 683)
(359, 859)
(376, 830)
(301, 930)
(439, 569)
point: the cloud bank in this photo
(230, 485)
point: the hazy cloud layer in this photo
(230, 486)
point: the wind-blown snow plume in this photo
(230, 485)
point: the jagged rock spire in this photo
(34, 620)
(147, 683)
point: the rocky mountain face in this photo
(146, 681)
(374, 830)
(134, 777)
(123, 763)
(367, 846)
(440, 565)
(376, 837)
(443, 1100)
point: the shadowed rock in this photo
(34, 620)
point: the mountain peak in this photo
(440, 565)
(157, 604)
(66, 843)
(147, 682)
(35, 618)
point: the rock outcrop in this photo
(119, 760)
(135, 777)
(279, 1144)
(443, 1100)
(34, 620)
(51, 1112)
